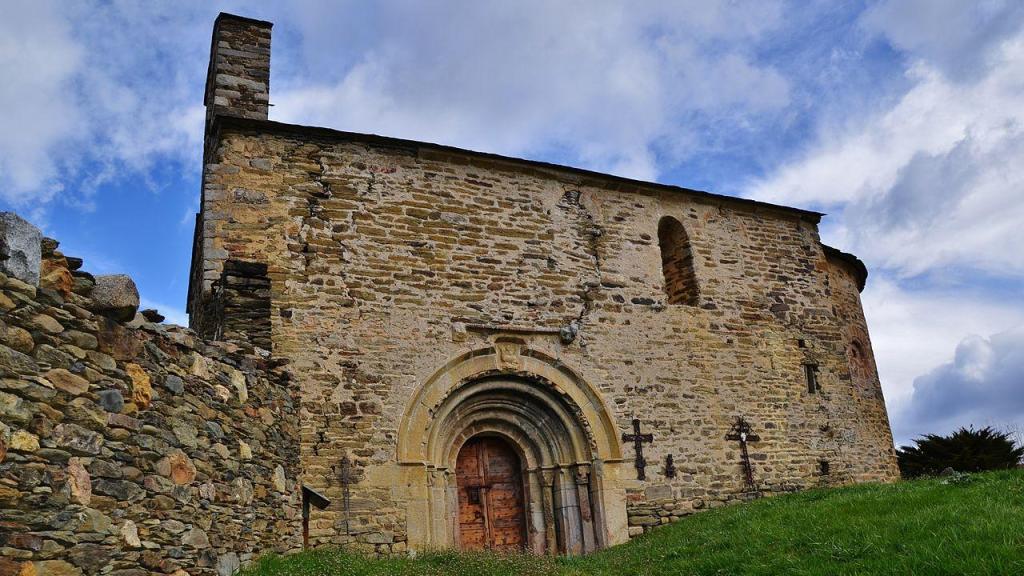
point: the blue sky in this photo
(903, 120)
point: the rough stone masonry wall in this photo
(135, 448)
(387, 258)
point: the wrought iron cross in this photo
(638, 439)
(345, 476)
(741, 432)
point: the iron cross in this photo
(638, 439)
(346, 479)
(741, 431)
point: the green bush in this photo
(966, 450)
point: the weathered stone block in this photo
(130, 534)
(53, 568)
(196, 538)
(79, 482)
(13, 409)
(116, 296)
(67, 382)
(13, 363)
(20, 248)
(174, 383)
(228, 564)
(142, 390)
(77, 439)
(17, 338)
(178, 467)
(111, 400)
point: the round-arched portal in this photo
(556, 426)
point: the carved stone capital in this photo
(582, 473)
(437, 477)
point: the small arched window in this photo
(677, 263)
(856, 352)
(860, 364)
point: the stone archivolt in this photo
(559, 426)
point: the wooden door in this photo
(490, 485)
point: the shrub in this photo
(966, 450)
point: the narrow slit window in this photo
(677, 263)
(811, 374)
(823, 467)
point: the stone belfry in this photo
(238, 81)
(229, 298)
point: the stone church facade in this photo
(494, 352)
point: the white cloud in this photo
(914, 330)
(983, 385)
(94, 91)
(929, 190)
(611, 86)
(38, 61)
(954, 35)
(938, 174)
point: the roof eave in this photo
(223, 121)
(860, 270)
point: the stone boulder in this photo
(20, 248)
(116, 296)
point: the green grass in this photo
(973, 525)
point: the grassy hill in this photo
(961, 525)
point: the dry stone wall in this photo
(131, 448)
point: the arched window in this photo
(677, 263)
(859, 366)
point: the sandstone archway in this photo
(559, 427)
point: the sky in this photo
(903, 120)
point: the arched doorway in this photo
(566, 443)
(491, 506)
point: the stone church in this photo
(492, 352)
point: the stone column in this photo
(533, 487)
(611, 494)
(441, 529)
(596, 494)
(567, 512)
(419, 513)
(586, 510)
(547, 480)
